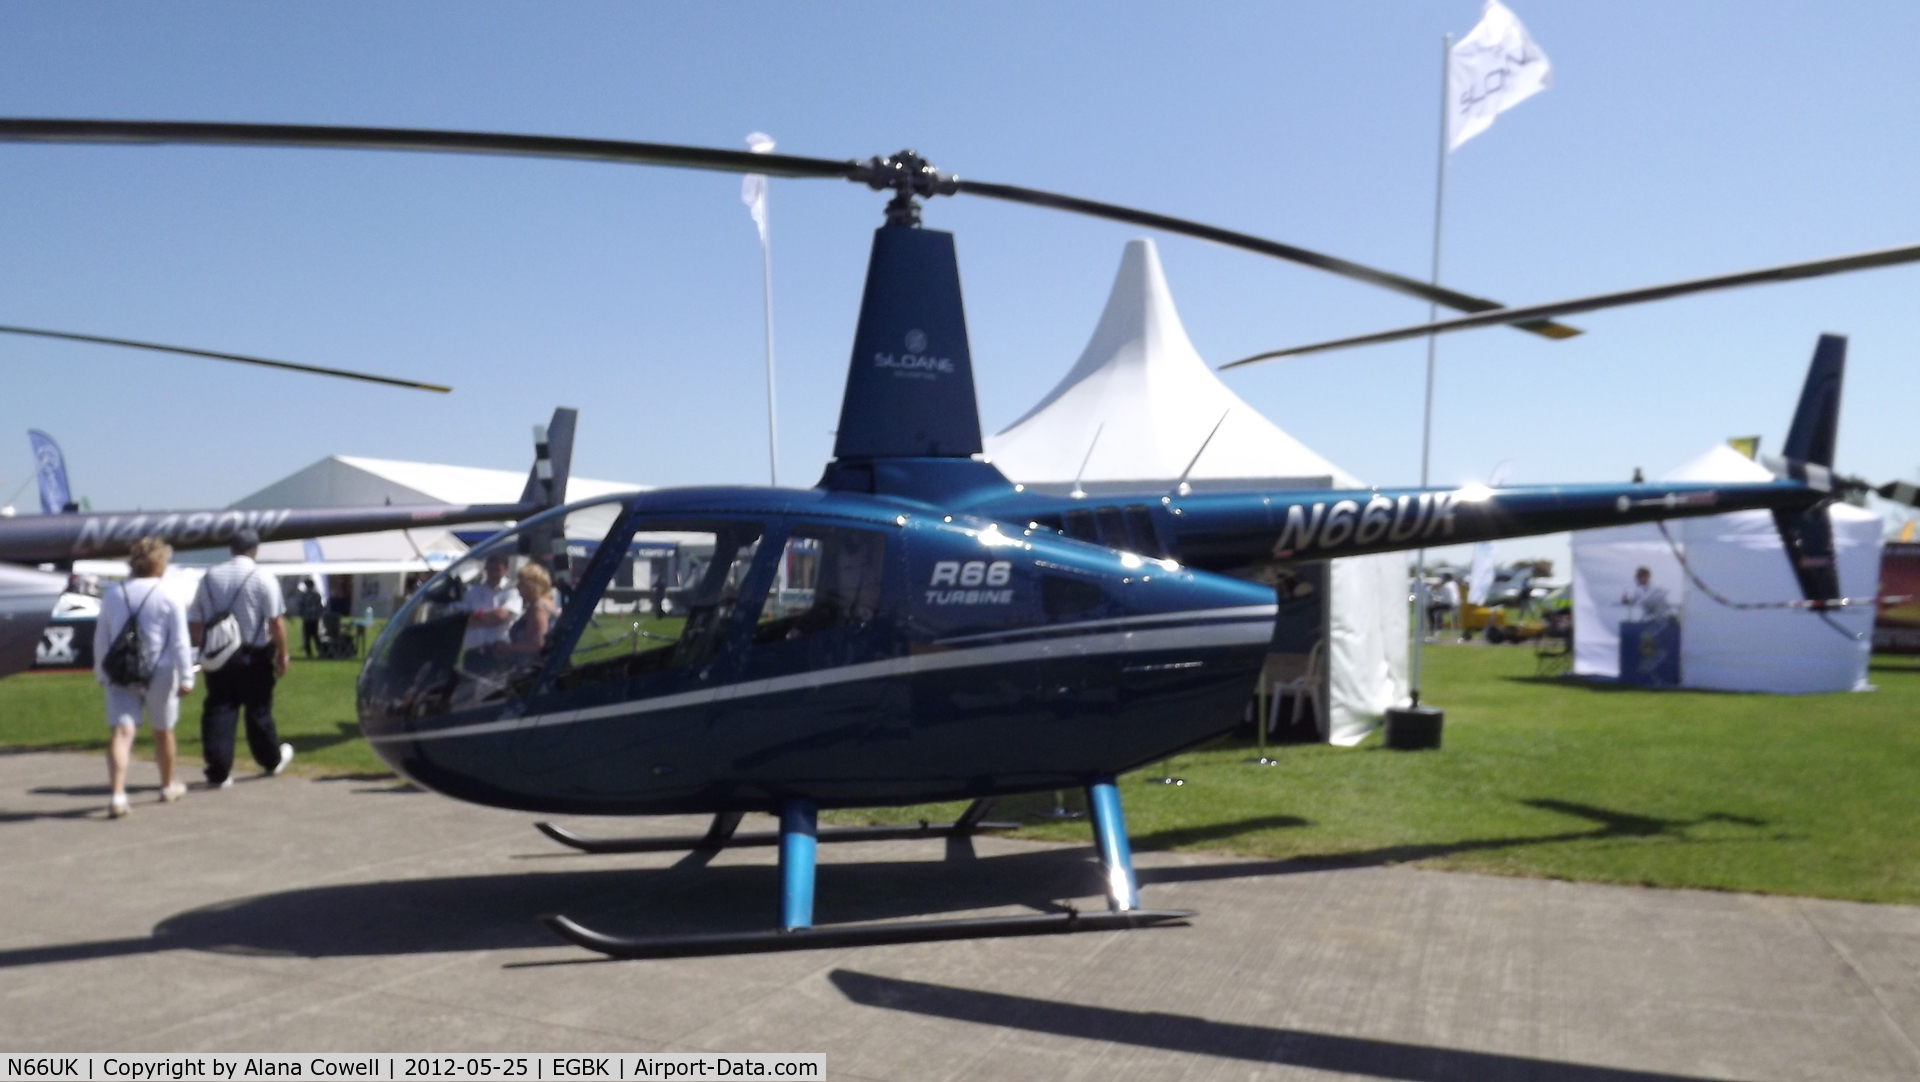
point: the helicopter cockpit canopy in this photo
(479, 631)
(543, 609)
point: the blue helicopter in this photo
(916, 627)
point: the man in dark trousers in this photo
(308, 606)
(245, 682)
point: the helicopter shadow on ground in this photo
(1607, 825)
(345, 732)
(1227, 1040)
(497, 911)
(1603, 686)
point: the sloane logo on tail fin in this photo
(915, 402)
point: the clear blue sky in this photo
(1678, 140)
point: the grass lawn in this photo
(313, 708)
(1812, 795)
(1815, 795)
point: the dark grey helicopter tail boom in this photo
(36, 539)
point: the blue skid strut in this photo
(799, 836)
(799, 830)
(1110, 837)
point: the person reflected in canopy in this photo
(528, 635)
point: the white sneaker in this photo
(286, 756)
(226, 784)
(173, 792)
(118, 808)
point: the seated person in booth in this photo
(1646, 602)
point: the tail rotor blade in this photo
(1901, 492)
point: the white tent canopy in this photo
(344, 481)
(1740, 556)
(1138, 405)
(1140, 410)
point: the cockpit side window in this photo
(825, 607)
(828, 577)
(687, 580)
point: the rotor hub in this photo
(910, 177)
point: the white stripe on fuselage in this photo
(1245, 612)
(1229, 627)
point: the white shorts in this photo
(160, 698)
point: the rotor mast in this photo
(910, 177)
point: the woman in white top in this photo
(163, 633)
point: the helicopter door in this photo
(664, 637)
(635, 671)
(806, 683)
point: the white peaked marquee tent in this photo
(1739, 555)
(1140, 410)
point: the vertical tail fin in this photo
(552, 460)
(1816, 424)
(910, 385)
(1808, 534)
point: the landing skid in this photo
(858, 935)
(721, 835)
(798, 838)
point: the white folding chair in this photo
(1303, 687)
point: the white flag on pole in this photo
(753, 186)
(1494, 68)
(1480, 573)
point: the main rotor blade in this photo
(726, 161)
(242, 358)
(1449, 298)
(419, 139)
(1886, 257)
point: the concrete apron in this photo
(346, 915)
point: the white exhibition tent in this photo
(1140, 410)
(1740, 557)
(378, 563)
(344, 481)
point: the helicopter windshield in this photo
(480, 631)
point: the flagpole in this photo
(1433, 341)
(766, 293)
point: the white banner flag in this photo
(1494, 68)
(1480, 574)
(753, 186)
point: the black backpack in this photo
(127, 663)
